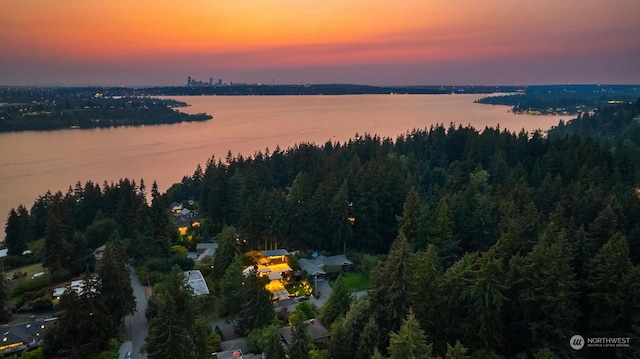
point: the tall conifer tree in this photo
(115, 282)
(15, 236)
(409, 341)
(338, 303)
(390, 296)
(300, 340)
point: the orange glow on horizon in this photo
(284, 33)
(117, 27)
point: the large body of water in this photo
(33, 162)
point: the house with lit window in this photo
(186, 221)
(184, 218)
(75, 285)
(274, 256)
(273, 264)
(19, 337)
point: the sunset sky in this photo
(410, 42)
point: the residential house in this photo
(273, 264)
(237, 348)
(311, 267)
(315, 266)
(19, 337)
(206, 250)
(318, 333)
(176, 207)
(275, 256)
(184, 219)
(75, 285)
(196, 281)
(337, 260)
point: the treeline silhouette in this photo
(41, 109)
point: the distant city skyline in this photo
(417, 42)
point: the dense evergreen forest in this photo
(490, 243)
(41, 109)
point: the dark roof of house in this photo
(209, 252)
(230, 346)
(317, 331)
(28, 334)
(182, 221)
(206, 245)
(275, 252)
(338, 260)
(235, 344)
(309, 266)
(316, 266)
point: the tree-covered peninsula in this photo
(41, 109)
(564, 99)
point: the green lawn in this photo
(29, 269)
(356, 281)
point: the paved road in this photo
(323, 288)
(136, 324)
(125, 348)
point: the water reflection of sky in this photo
(34, 162)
